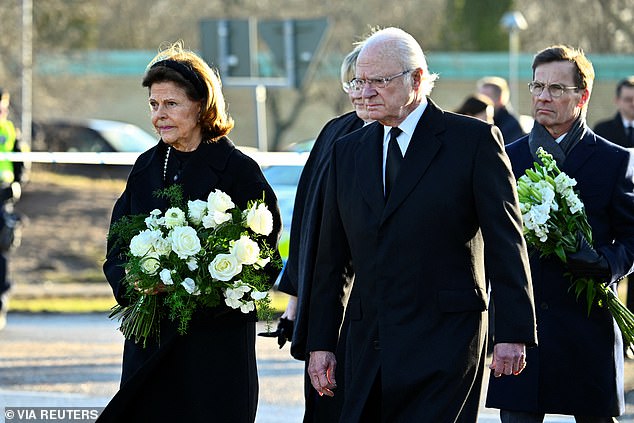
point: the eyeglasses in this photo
(347, 86)
(555, 90)
(357, 84)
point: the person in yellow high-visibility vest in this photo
(8, 191)
(7, 138)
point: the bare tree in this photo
(11, 50)
(597, 26)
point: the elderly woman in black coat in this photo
(209, 372)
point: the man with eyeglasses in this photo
(577, 368)
(417, 228)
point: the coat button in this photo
(544, 306)
(376, 344)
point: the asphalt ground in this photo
(73, 360)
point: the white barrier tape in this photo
(263, 159)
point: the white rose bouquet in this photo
(553, 217)
(193, 257)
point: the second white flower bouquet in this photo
(554, 217)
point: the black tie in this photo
(629, 135)
(393, 160)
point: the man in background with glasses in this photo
(415, 202)
(577, 368)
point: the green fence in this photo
(459, 66)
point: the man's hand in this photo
(508, 359)
(587, 263)
(321, 369)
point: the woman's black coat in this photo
(210, 373)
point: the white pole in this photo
(260, 116)
(513, 65)
(27, 70)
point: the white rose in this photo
(215, 218)
(219, 201)
(190, 286)
(150, 264)
(162, 246)
(174, 217)
(185, 241)
(245, 250)
(224, 267)
(259, 219)
(166, 277)
(196, 210)
(143, 243)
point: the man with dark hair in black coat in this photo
(620, 129)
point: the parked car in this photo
(301, 146)
(90, 135)
(284, 180)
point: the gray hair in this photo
(406, 50)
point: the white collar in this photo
(560, 138)
(409, 124)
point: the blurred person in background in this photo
(11, 174)
(478, 106)
(620, 129)
(497, 89)
(209, 373)
(418, 228)
(577, 367)
(298, 273)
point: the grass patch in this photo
(97, 304)
(61, 304)
(279, 300)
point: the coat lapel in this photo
(579, 154)
(369, 167)
(423, 146)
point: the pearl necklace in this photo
(167, 156)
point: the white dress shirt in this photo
(407, 126)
